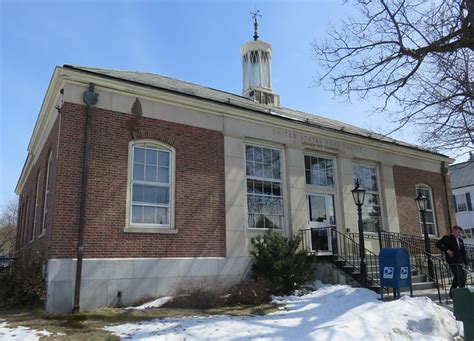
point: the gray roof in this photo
(462, 174)
(190, 89)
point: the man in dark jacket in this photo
(453, 247)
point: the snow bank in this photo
(333, 313)
(153, 304)
(20, 333)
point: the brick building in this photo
(155, 182)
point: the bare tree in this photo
(418, 56)
(8, 220)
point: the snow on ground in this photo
(153, 304)
(337, 312)
(20, 333)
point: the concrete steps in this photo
(419, 282)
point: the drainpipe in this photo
(90, 99)
(444, 171)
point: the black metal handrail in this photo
(346, 248)
(441, 275)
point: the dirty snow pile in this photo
(337, 312)
(20, 333)
(153, 304)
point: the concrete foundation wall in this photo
(328, 272)
(135, 279)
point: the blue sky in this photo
(194, 40)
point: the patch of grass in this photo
(88, 325)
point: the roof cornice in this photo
(247, 111)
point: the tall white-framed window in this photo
(35, 208)
(319, 171)
(372, 209)
(46, 193)
(265, 199)
(461, 203)
(24, 234)
(150, 186)
(430, 215)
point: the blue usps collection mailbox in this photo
(394, 270)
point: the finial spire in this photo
(255, 23)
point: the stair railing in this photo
(346, 248)
(442, 276)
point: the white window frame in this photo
(461, 199)
(281, 181)
(35, 207)
(432, 210)
(46, 194)
(379, 191)
(146, 227)
(334, 171)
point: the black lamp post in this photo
(422, 203)
(358, 194)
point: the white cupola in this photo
(257, 69)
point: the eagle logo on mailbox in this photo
(388, 272)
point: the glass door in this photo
(321, 219)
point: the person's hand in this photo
(450, 253)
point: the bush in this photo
(246, 293)
(24, 284)
(197, 297)
(279, 262)
(249, 292)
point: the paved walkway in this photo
(430, 293)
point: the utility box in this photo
(463, 309)
(395, 270)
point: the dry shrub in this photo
(197, 296)
(24, 285)
(247, 292)
(250, 292)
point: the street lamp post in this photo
(358, 194)
(421, 203)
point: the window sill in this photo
(160, 230)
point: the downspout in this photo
(90, 99)
(444, 171)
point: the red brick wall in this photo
(26, 211)
(406, 180)
(199, 196)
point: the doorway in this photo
(321, 220)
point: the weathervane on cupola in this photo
(255, 23)
(257, 70)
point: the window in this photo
(371, 210)
(35, 207)
(264, 187)
(319, 171)
(46, 193)
(25, 223)
(151, 189)
(461, 203)
(430, 212)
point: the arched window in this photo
(35, 207)
(150, 186)
(46, 194)
(430, 215)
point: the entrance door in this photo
(321, 219)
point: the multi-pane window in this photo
(461, 203)
(151, 185)
(264, 187)
(46, 193)
(35, 208)
(371, 210)
(430, 211)
(319, 171)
